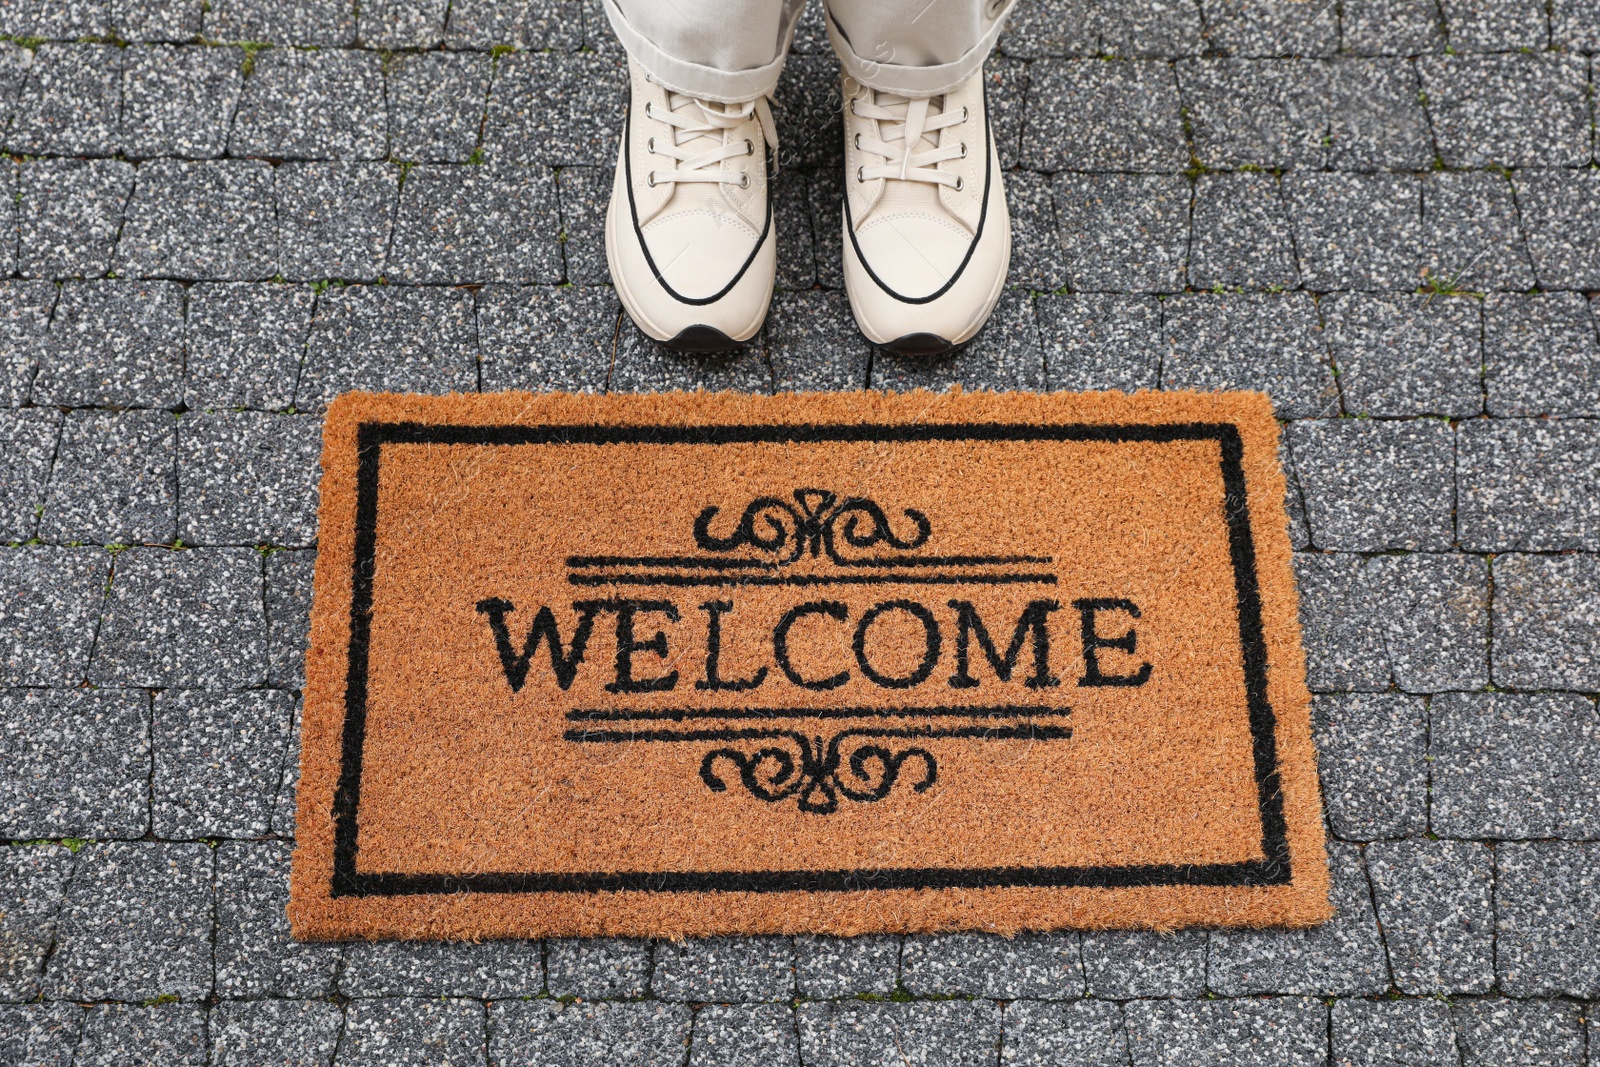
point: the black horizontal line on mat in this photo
(811, 579)
(712, 563)
(1258, 872)
(1023, 732)
(1006, 711)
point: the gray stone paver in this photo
(32, 882)
(1371, 486)
(596, 968)
(43, 1034)
(477, 223)
(1515, 110)
(827, 967)
(1547, 939)
(136, 924)
(1250, 113)
(205, 221)
(442, 1032)
(77, 763)
(1086, 1032)
(489, 970)
(959, 1033)
(288, 580)
(1433, 899)
(114, 344)
(1414, 1033)
(1441, 369)
(287, 1032)
(1143, 96)
(248, 477)
(291, 22)
(255, 954)
(1125, 965)
(1372, 751)
(1288, 1031)
(647, 1033)
(205, 242)
(25, 316)
(245, 344)
(1343, 956)
(115, 1034)
(1546, 622)
(218, 761)
(28, 441)
(1514, 765)
(71, 102)
(179, 101)
(1123, 231)
(725, 969)
(1560, 212)
(730, 1035)
(189, 618)
(436, 105)
(114, 480)
(1541, 355)
(69, 213)
(325, 104)
(388, 338)
(335, 219)
(1497, 1031)
(1000, 968)
(50, 602)
(1529, 484)
(1101, 341)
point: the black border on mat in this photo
(1273, 869)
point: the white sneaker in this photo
(927, 238)
(689, 232)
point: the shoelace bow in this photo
(903, 122)
(707, 120)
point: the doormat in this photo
(842, 663)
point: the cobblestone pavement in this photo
(1384, 212)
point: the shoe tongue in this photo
(909, 196)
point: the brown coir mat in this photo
(843, 663)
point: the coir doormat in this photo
(695, 664)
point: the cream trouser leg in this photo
(733, 50)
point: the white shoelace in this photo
(903, 123)
(709, 121)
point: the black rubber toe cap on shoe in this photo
(919, 344)
(702, 339)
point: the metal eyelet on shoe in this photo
(647, 110)
(861, 174)
(963, 150)
(650, 179)
(749, 147)
(650, 146)
(960, 183)
(963, 112)
(744, 181)
(858, 142)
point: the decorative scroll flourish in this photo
(817, 774)
(771, 524)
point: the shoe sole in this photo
(702, 340)
(919, 345)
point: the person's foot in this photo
(927, 238)
(689, 233)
